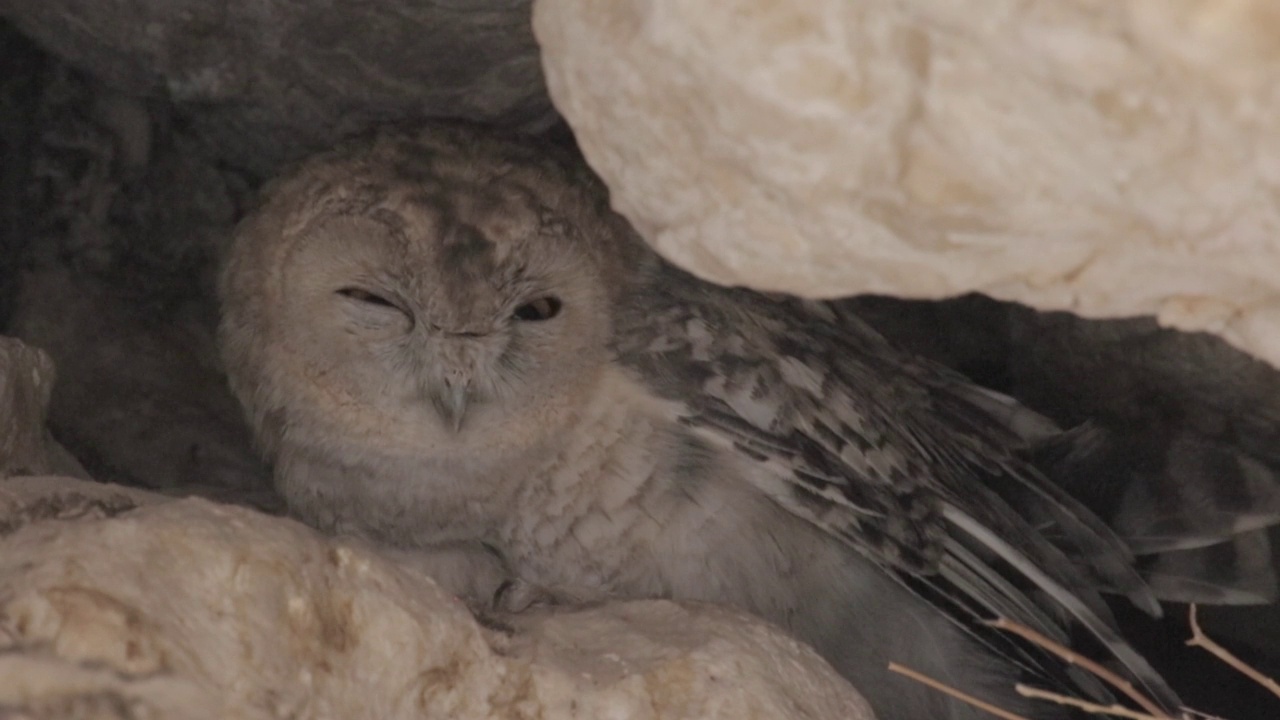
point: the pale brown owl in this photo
(447, 342)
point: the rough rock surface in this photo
(113, 279)
(132, 605)
(26, 380)
(262, 81)
(1105, 158)
(140, 395)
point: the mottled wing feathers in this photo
(745, 386)
(881, 450)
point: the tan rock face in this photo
(26, 379)
(1100, 157)
(122, 603)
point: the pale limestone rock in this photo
(120, 603)
(1108, 158)
(696, 661)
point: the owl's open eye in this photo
(544, 308)
(365, 296)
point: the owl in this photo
(448, 344)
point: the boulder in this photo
(1110, 159)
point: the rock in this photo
(20, 87)
(115, 598)
(266, 81)
(1111, 159)
(696, 660)
(26, 380)
(140, 396)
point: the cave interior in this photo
(115, 200)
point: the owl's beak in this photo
(450, 400)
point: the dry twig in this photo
(1075, 658)
(962, 697)
(1113, 710)
(1200, 640)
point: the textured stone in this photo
(26, 381)
(1101, 157)
(266, 80)
(131, 605)
(140, 395)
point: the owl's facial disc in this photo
(444, 331)
(449, 389)
(458, 354)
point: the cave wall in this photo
(135, 136)
(260, 83)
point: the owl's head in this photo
(438, 294)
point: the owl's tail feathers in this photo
(1237, 571)
(1202, 517)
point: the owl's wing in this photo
(899, 458)
(1177, 452)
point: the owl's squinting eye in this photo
(365, 296)
(544, 308)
